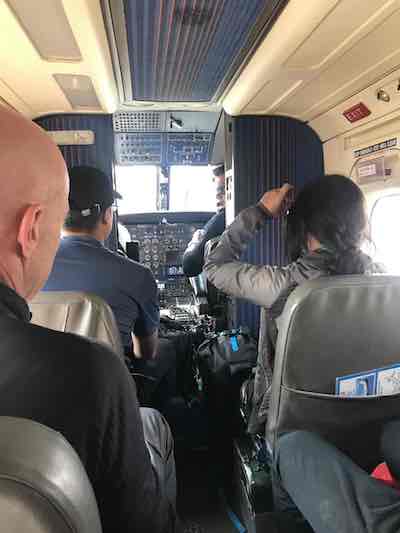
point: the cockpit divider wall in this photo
(266, 151)
(100, 154)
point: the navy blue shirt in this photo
(84, 264)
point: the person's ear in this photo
(29, 230)
(107, 216)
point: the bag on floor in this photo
(225, 361)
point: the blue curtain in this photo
(266, 152)
(99, 155)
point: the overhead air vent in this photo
(47, 26)
(78, 90)
(183, 50)
(192, 16)
(137, 121)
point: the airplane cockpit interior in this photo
(194, 109)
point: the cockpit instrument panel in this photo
(188, 148)
(151, 137)
(138, 148)
(161, 248)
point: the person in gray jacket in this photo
(325, 225)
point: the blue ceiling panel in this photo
(184, 50)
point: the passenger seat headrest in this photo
(77, 312)
(43, 485)
(336, 326)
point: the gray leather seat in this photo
(43, 485)
(330, 328)
(77, 312)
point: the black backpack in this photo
(224, 361)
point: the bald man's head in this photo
(34, 193)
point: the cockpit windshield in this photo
(148, 188)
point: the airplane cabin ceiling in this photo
(307, 59)
(184, 50)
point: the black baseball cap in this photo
(90, 188)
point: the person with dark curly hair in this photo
(326, 225)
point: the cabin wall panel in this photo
(340, 157)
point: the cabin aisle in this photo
(198, 499)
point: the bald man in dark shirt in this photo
(69, 383)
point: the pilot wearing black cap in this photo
(83, 263)
(90, 189)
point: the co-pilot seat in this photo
(77, 312)
(208, 298)
(43, 485)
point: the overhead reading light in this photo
(383, 96)
(78, 90)
(176, 123)
(47, 26)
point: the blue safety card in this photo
(379, 382)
